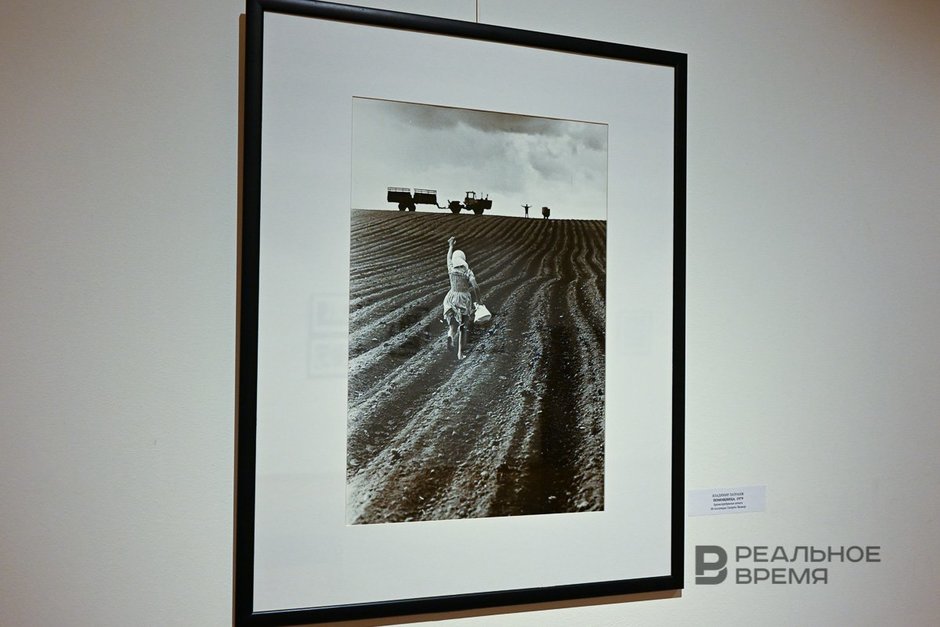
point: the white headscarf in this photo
(459, 259)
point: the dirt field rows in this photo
(517, 426)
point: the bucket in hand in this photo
(481, 313)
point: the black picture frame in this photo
(250, 420)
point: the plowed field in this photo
(514, 428)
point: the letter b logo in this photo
(701, 565)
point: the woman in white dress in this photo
(460, 299)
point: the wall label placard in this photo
(715, 501)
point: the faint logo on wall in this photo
(327, 335)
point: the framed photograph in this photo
(461, 319)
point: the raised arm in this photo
(450, 251)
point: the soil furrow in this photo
(517, 426)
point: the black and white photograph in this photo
(463, 332)
(477, 315)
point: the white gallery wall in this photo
(813, 300)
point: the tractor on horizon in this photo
(471, 203)
(407, 201)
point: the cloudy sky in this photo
(514, 159)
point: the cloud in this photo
(418, 116)
(514, 158)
